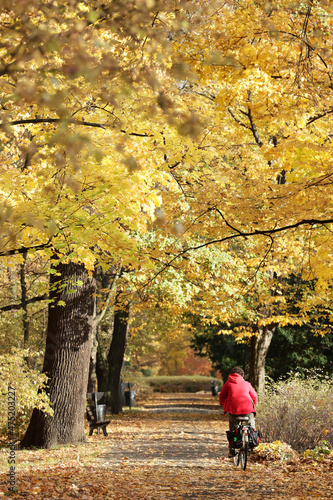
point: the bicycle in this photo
(242, 452)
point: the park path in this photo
(177, 430)
(176, 448)
(172, 448)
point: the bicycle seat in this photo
(243, 418)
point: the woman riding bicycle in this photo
(238, 398)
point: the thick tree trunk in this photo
(117, 351)
(66, 360)
(259, 347)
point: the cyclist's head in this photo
(238, 370)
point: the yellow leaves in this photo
(25, 382)
(204, 133)
(89, 260)
(52, 228)
(131, 164)
(217, 59)
(191, 127)
(282, 320)
(150, 4)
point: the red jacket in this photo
(238, 396)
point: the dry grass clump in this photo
(298, 412)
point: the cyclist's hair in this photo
(238, 370)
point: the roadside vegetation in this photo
(176, 383)
(298, 411)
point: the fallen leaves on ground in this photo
(159, 453)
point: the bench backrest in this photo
(90, 414)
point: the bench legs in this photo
(96, 426)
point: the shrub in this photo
(182, 383)
(23, 383)
(298, 412)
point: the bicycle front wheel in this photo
(243, 455)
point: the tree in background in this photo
(293, 348)
(193, 365)
(300, 349)
(222, 350)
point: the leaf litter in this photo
(154, 455)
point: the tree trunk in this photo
(259, 347)
(24, 302)
(117, 351)
(98, 379)
(101, 366)
(66, 360)
(92, 378)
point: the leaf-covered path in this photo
(174, 448)
(174, 430)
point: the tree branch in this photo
(98, 318)
(237, 120)
(21, 305)
(52, 120)
(325, 112)
(25, 249)
(225, 220)
(254, 128)
(70, 121)
(257, 232)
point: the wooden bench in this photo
(94, 424)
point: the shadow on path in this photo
(176, 448)
(175, 430)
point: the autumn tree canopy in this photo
(93, 103)
(253, 176)
(185, 143)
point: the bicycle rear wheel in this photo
(243, 455)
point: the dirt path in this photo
(179, 450)
(174, 448)
(174, 430)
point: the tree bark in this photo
(259, 347)
(117, 351)
(92, 378)
(94, 383)
(102, 365)
(25, 319)
(66, 360)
